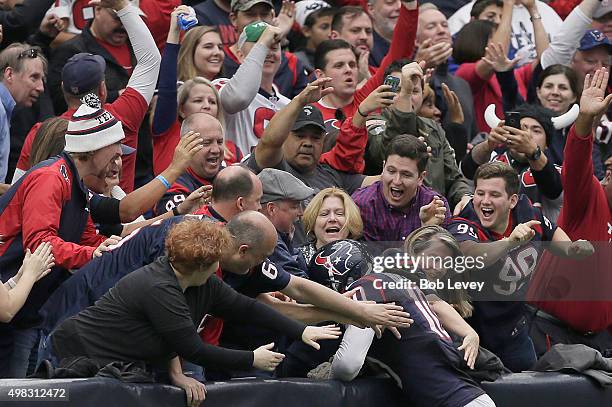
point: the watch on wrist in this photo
(536, 154)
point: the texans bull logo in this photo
(337, 262)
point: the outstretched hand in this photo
(312, 334)
(593, 101)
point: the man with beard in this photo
(106, 36)
(504, 229)
(203, 167)
(50, 204)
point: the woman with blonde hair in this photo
(331, 215)
(194, 93)
(435, 246)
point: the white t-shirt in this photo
(522, 39)
(246, 127)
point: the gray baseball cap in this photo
(244, 5)
(279, 185)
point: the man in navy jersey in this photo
(203, 167)
(424, 361)
(502, 228)
(246, 268)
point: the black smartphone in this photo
(513, 119)
(393, 82)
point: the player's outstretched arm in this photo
(367, 314)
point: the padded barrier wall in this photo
(522, 390)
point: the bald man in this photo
(235, 189)
(244, 267)
(204, 166)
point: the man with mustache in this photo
(104, 36)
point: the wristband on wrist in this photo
(163, 180)
(361, 114)
(11, 283)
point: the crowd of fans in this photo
(208, 199)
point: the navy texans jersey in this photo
(551, 208)
(188, 182)
(424, 359)
(498, 308)
(94, 279)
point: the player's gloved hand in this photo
(384, 314)
(266, 359)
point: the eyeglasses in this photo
(28, 53)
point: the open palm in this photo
(592, 101)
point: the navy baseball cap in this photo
(82, 73)
(594, 38)
(309, 116)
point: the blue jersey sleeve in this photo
(463, 230)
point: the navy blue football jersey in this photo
(424, 359)
(94, 279)
(499, 307)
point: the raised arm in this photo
(565, 43)
(501, 36)
(348, 152)
(167, 106)
(268, 152)
(144, 198)
(148, 59)
(402, 46)
(242, 88)
(577, 174)
(539, 32)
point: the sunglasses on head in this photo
(28, 53)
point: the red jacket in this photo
(402, 46)
(584, 286)
(129, 108)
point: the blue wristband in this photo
(163, 181)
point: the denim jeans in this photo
(194, 371)
(518, 353)
(25, 352)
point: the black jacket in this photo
(116, 76)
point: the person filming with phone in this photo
(522, 141)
